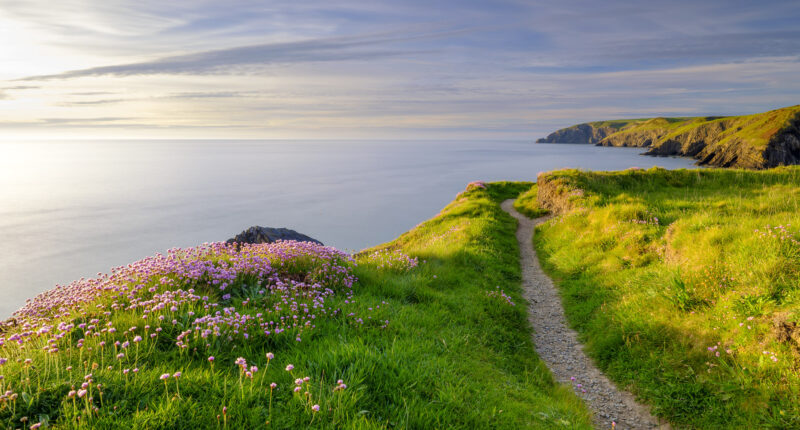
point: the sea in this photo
(72, 209)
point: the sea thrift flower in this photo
(289, 368)
(315, 408)
(164, 377)
(270, 356)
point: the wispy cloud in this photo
(330, 49)
(21, 87)
(92, 102)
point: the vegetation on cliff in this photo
(422, 332)
(756, 141)
(590, 132)
(685, 286)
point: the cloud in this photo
(92, 102)
(350, 67)
(210, 94)
(66, 122)
(21, 87)
(347, 48)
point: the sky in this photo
(409, 69)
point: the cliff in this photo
(590, 132)
(756, 141)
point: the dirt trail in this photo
(558, 345)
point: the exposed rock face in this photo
(581, 133)
(638, 136)
(719, 144)
(257, 234)
(784, 148)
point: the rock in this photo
(258, 234)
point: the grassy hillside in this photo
(755, 141)
(590, 132)
(428, 331)
(527, 203)
(685, 286)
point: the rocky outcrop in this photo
(257, 234)
(639, 136)
(784, 147)
(581, 133)
(734, 142)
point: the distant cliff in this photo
(590, 132)
(756, 141)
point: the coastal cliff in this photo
(590, 132)
(756, 141)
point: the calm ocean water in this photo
(69, 210)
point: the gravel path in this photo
(558, 345)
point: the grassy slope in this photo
(755, 130)
(660, 125)
(452, 355)
(677, 282)
(527, 204)
(616, 123)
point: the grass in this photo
(527, 203)
(423, 339)
(684, 287)
(754, 130)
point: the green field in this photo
(684, 286)
(437, 344)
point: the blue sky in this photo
(394, 69)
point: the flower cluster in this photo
(290, 280)
(392, 259)
(780, 232)
(787, 242)
(501, 295)
(648, 219)
(476, 185)
(197, 300)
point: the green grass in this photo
(683, 289)
(527, 204)
(617, 123)
(451, 356)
